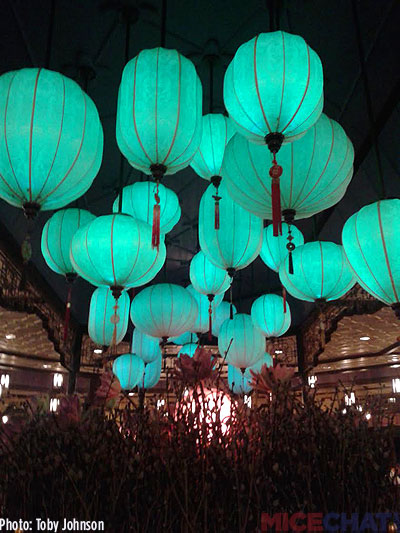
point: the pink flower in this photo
(108, 390)
(269, 378)
(197, 368)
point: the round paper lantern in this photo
(138, 201)
(186, 338)
(164, 310)
(248, 343)
(274, 84)
(239, 382)
(129, 369)
(57, 236)
(207, 162)
(206, 278)
(273, 91)
(101, 324)
(268, 314)
(51, 145)
(188, 349)
(222, 313)
(159, 112)
(116, 251)
(274, 249)
(238, 241)
(321, 272)
(316, 172)
(146, 347)
(371, 244)
(152, 374)
(206, 309)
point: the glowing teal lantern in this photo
(274, 84)
(138, 201)
(371, 244)
(51, 145)
(146, 347)
(151, 375)
(159, 112)
(207, 162)
(239, 382)
(164, 310)
(238, 241)
(116, 251)
(321, 272)
(129, 369)
(274, 249)
(206, 277)
(102, 326)
(206, 310)
(273, 91)
(270, 316)
(188, 349)
(222, 313)
(57, 236)
(186, 338)
(248, 342)
(316, 172)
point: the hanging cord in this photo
(368, 99)
(284, 296)
(116, 292)
(210, 311)
(274, 142)
(216, 181)
(70, 278)
(290, 247)
(322, 326)
(231, 273)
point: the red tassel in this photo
(216, 210)
(276, 172)
(284, 299)
(155, 236)
(67, 315)
(291, 271)
(115, 320)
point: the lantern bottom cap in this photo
(31, 209)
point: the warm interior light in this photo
(349, 399)
(396, 384)
(312, 380)
(46, 366)
(54, 403)
(10, 336)
(366, 338)
(278, 352)
(368, 416)
(5, 380)
(4, 419)
(58, 380)
(98, 350)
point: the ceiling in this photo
(90, 35)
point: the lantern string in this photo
(155, 236)
(114, 320)
(284, 296)
(368, 99)
(275, 173)
(50, 34)
(26, 254)
(210, 299)
(290, 247)
(231, 301)
(68, 304)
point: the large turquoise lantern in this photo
(244, 342)
(239, 382)
(146, 347)
(238, 241)
(273, 91)
(371, 243)
(116, 251)
(51, 145)
(151, 375)
(207, 279)
(271, 315)
(316, 172)
(224, 311)
(138, 201)
(321, 272)
(57, 236)
(274, 250)
(164, 310)
(102, 327)
(159, 114)
(206, 310)
(129, 369)
(207, 162)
